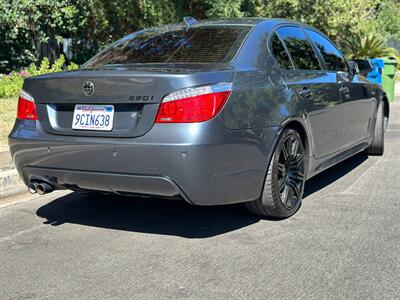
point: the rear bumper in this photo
(105, 182)
(204, 163)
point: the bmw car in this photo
(210, 112)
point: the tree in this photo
(384, 19)
(102, 22)
(225, 8)
(32, 29)
(336, 18)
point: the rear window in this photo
(217, 44)
(280, 53)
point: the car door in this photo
(317, 91)
(357, 105)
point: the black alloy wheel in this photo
(291, 171)
(284, 182)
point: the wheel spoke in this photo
(293, 186)
(299, 160)
(289, 199)
(289, 145)
(281, 167)
(295, 147)
(297, 176)
(285, 194)
(284, 151)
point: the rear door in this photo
(357, 105)
(317, 91)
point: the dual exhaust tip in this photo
(40, 187)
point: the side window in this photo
(333, 58)
(278, 50)
(299, 47)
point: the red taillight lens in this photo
(191, 105)
(26, 107)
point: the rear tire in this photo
(284, 183)
(378, 142)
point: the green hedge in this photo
(11, 84)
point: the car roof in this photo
(245, 21)
(251, 22)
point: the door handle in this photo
(305, 92)
(344, 89)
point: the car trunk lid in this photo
(135, 93)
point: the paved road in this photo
(343, 243)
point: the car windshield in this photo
(205, 44)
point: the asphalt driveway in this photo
(343, 243)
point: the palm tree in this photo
(365, 46)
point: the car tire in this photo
(378, 142)
(284, 182)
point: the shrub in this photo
(365, 46)
(11, 84)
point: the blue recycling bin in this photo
(376, 74)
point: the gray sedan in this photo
(212, 112)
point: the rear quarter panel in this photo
(260, 97)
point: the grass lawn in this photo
(8, 111)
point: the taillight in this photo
(197, 104)
(26, 107)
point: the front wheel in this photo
(284, 183)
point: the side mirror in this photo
(364, 66)
(353, 67)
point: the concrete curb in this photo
(10, 182)
(5, 157)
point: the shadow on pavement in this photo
(148, 215)
(332, 174)
(169, 217)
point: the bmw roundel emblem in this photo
(88, 88)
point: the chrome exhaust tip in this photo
(44, 188)
(32, 187)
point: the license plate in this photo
(93, 117)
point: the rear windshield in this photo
(205, 44)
